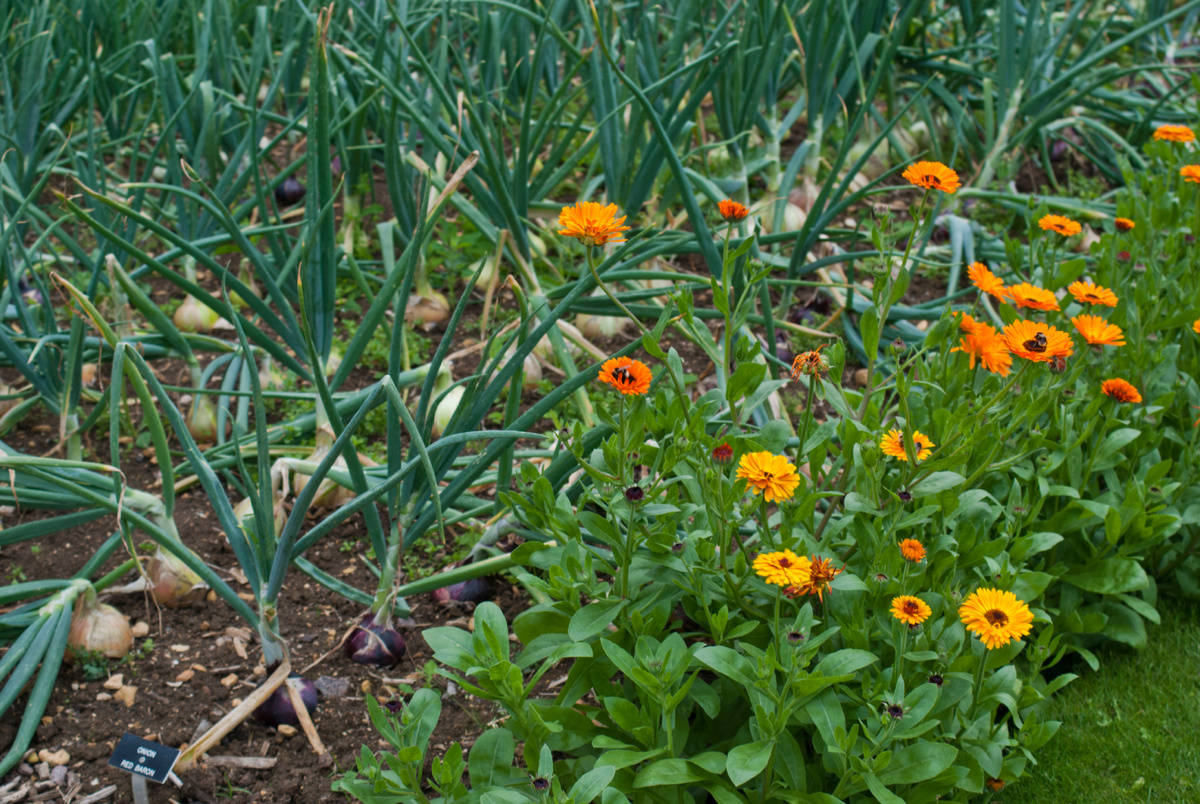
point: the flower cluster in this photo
(1038, 341)
(799, 576)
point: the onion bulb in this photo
(533, 368)
(201, 420)
(374, 641)
(278, 709)
(192, 316)
(600, 326)
(426, 310)
(171, 582)
(329, 494)
(98, 628)
(446, 409)
(290, 192)
(474, 590)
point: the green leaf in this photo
(591, 784)
(1112, 576)
(936, 482)
(491, 759)
(880, 791)
(747, 761)
(728, 663)
(868, 325)
(594, 618)
(845, 661)
(668, 772)
(745, 379)
(918, 762)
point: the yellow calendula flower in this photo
(893, 444)
(773, 476)
(996, 617)
(783, 568)
(910, 610)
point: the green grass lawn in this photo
(1130, 732)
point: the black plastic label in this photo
(144, 758)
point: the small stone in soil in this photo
(103, 696)
(286, 730)
(126, 695)
(140, 630)
(43, 770)
(115, 682)
(59, 775)
(331, 687)
(25, 769)
(54, 758)
(229, 680)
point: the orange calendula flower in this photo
(1190, 173)
(772, 475)
(1027, 295)
(893, 444)
(592, 224)
(932, 176)
(1098, 332)
(811, 363)
(732, 211)
(630, 377)
(988, 348)
(818, 581)
(1058, 223)
(1120, 391)
(972, 327)
(1174, 134)
(913, 550)
(1036, 341)
(982, 278)
(994, 784)
(784, 568)
(1087, 293)
(996, 617)
(910, 610)
(1196, 326)
(1124, 224)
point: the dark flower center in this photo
(933, 180)
(785, 563)
(1092, 297)
(936, 680)
(540, 784)
(896, 711)
(794, 637)
(911, 608)
(996, 617)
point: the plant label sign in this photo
(144, 758)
